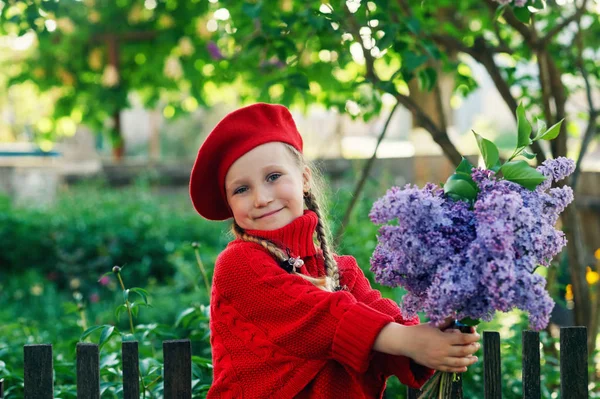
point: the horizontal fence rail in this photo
(573, 366)
(39, 384)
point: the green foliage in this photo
(91, 229)
(182, 53)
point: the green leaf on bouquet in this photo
(489, 151)
(551, 133)
(528, 155)
(461, 185)
(541, 128)
(521, 173)
(523, 128)
(464, 167)
(467, 321)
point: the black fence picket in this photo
(38, 368)
(492, 375)
(531, 365)
(573, 363)
(178, 369)
(88, 371)
(131, 370)
(37, 372)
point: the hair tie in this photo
(291, 264)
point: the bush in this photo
(92, 228)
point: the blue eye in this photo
(273, 176)
(240, 190)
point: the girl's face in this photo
(265, 188)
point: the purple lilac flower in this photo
(214, 51)
(470, 262)
(555, 169)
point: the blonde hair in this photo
(313, 200)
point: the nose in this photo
(262, 197)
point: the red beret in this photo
(238, 133)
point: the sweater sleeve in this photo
(293, 314)
(408, 372)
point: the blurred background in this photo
(104, 104)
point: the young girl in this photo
(290, 319)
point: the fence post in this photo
(131, 371)
(531, 365)
(178, 369)
(88, 371)
(492, 379)
(37, 372)
(412, 393)
(573, 363)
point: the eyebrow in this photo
(243, 179)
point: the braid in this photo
(331, 267)
(279, 255)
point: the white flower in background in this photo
(110, 77)
(185, 46)
(173, 68)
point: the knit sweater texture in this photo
(276, 335)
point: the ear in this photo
(306, 179)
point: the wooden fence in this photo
(38, 369)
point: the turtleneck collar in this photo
(296, 236)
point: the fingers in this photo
(463, 339)
(464, 350)
(446, 324)
(457, 364)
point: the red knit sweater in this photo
(276, 335)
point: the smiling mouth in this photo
(268, 214)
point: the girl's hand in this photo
(449, 350)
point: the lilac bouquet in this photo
(471, 247)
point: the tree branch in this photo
(593, 112)
(557, 28)
(512, 20)
(422, 119)
(363, 178)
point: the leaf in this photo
(541, 128)
(141, 292)
(467, 321)
(464, 166)
(413, 25)
(427, 79)
(522, 14)
(106, 334)
(459, 187)
(299, 81)
(499, 11)
(551, 133)
(523, 128)
(488, 150)
(528, 154)
(411, 61)
(89, 331)
(538, 4)
(120, 309)
(125, 295)
(521, 173)
(183, 315)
